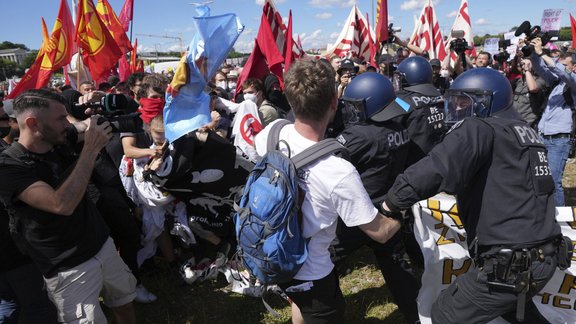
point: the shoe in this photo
(144, 296)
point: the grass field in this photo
(367, 298)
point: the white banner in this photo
(491, 45)
(441, 236)
(551, 19)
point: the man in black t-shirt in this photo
(51, 217)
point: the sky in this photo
(318, 22)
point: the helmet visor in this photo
(460, 104)
(353, 111)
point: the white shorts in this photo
(75, 292)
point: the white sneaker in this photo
(144, 296)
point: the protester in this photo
(335, 186)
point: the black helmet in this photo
(412, 71)
(376, 93)
(480, 92)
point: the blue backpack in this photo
(268, 228)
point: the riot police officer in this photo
(425, 121)
(497, 167)
(379, 150)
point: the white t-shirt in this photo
(333, 187)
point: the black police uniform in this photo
(379, 151)
(498, 169)
(425, 120)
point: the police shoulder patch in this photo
(458, 124)
(341, 139)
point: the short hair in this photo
(253, 82)
(155, 82)
(113, 80)
(86, 82)
(38, 100)
(309, 88)
(485, 53)
(132, 79)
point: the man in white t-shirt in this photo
(332, 188)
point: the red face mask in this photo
(150, 108)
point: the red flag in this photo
(123, 68)
(134, 58)
(279, 30)
(462, 22)
(56, 52)
(372, 45)
(288, 53)
(353, 40)
(428, 35)
(265, 57)
(45, 37)
(381, 21)
(126, 14)
(573, 24)
(100, 51)
(110, 19)
(28, 81)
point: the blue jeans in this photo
(22, 291)
(558, 150)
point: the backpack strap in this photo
(321, 149)
(274, 134)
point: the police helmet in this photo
(377, 96)
(480, 92)
(412, 71)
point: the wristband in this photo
(391, 214)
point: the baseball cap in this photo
(347, 64)
(385, 59)
(435, 62)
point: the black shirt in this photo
(54, 242)
(498, 170)
(379, 152)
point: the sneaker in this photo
(144, 296)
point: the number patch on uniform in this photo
(436, 118)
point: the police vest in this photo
(516, 203)
(425, 121)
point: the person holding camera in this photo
(556, 125)
(52, 218)
(496, 165)
(529, 93)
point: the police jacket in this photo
(498, 170)
(379, 152)
(425, 120)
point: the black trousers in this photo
(470, 300)
(399, 275)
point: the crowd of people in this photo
(89, 197)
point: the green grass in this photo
(367, 299)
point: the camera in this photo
(129, 123)
(501, 57)
(531, 32)
(459, 44)
(112, 107)
(391, 31)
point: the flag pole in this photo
(131, 22)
